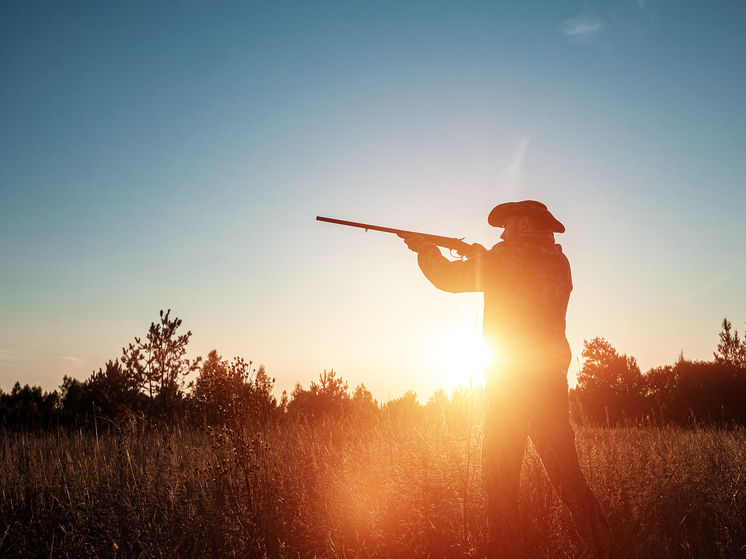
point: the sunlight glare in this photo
(460, 356)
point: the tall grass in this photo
(332, 488)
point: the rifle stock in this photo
(451, 243)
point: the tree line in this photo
(612, 390)
(148, 384)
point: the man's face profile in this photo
(513, 225)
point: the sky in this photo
(174, 155)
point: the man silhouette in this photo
(526, 283)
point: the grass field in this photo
(330, 488)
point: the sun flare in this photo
(460, 356)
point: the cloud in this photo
(73, 363)
(515, 166)
(581, 28)
(10, 356)
(510, 172)
(715, 283)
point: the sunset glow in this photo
(459, 356)
(160, 158)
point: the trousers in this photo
(522, 404)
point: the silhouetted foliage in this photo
(109, 393)
(406, 409)
(610, 388)
(299, 405)
(363, 407)
(436, 408)
(232, 392)
(610, 385)
(115, 392)
(702, 391)
(330, 396)
(158, 365)
(28, 407)
(457, 413)
(731, 350)
(661, 386)
(699, 391)
(148, 383)
(75, 398)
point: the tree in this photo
(212, 389)
(404, 410)
(708, 391)
(159, 364)
(330, 396)
(610, 385)
(114, 391)
(731, 350)
(262, 401)
(363, 407)
(28, 407)
(299, 405)
(660, 390)
(437, 407)
(75, 398)
(233, 391)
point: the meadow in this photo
(385, 487)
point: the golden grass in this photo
(334, 489)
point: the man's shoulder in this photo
(504, 250)
(499, 247)
(506, 254)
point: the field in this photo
(332, 488)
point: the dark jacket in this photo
(526, 284)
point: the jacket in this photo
(526, 284)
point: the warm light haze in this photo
(175, 156)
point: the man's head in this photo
(521, 217)
(514, 225)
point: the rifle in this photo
(451, 243)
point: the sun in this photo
(459, 355)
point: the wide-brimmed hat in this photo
(538, 212)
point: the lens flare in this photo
(459, 356)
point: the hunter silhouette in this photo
(526, 283)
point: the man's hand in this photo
(415, 241)
(474, 249)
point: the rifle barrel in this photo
(367, 226)
(452, 243)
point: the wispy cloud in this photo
(581, 28)
(9, 356)
(510, 172)
(515, 166)
(73, 363)
(707, 287)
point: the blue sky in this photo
(163, 155)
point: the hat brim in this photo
(540, 216)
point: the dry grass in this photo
(670, 492)
(333, 489)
